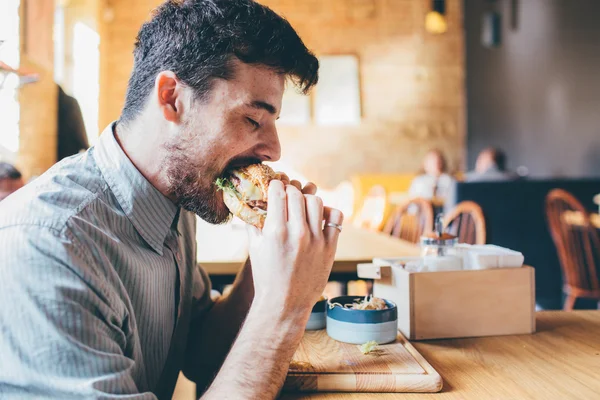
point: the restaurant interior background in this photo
(396, 81)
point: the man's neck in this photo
(145, 151)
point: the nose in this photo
(270, 148)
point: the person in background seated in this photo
(435, 182)
(490, 166)
(72, 137)
(11, 180)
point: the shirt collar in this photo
(150, 212)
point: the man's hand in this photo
(291, 260)
(293, 255)
(309, 188)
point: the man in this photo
(11, 180)
(100, 296)
(490, 166)
(435, 182)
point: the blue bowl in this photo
(360, 326)
(317, 319)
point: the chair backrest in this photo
(371, 214)
(576, 241)
(466, 221)
(411, 220)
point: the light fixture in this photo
(491, 29)
(435, 20)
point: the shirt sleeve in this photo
(60, 338)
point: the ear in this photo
(169, 94)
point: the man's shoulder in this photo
(55, 197)
(46, 227)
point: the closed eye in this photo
(255, 124)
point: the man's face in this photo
(234, 126)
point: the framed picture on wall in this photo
(295, 107)
(337, 95)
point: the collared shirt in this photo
(98, 283)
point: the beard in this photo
(192, 186)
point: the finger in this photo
(295, 206)
(284, 178)
(277, 209)
(296, 184)
(310, 188)
(314, 214)
(334, 216)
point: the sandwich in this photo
(245, 192)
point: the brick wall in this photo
(38, 101)
(412, 82)
(119, 23)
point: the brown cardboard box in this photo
(457, 304)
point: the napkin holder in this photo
(456, 304)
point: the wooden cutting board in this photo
(322, 364)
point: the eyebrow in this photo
(264, 106)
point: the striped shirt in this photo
(99, 288)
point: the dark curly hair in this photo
(198, 40)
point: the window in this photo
(9, 82)
(86, 75)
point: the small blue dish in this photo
(317, 319)
(360, 326)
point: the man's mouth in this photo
(240, 163)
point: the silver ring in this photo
(332, 225)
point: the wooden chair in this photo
(411, 220)
(372, 213)
(578, 246)
(466, 222)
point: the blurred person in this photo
(490, 166)
(11, 180)
(72, 137)
(434, 183)
(100, 292)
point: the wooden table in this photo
(223, 249)
(560, 361)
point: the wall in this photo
(38, 101)
(119, 22)
(411, 82)
(538, 94)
